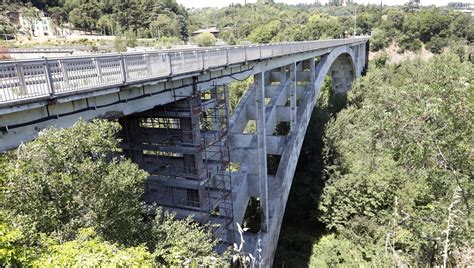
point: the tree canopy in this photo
(69, 199)
(399, 162)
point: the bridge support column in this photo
(262, 148)
(312, 71)
(293, 99)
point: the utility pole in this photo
(355, 20)
(380, 13)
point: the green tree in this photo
(184, 241)
(107, 24)
(229, 37)
(437, 44)
(164, 25)
(432, 22)
(321, 26)
(86, 16)
(69, 199)
(55, 190)
(183, 27)
(379, 40)
(266, 32)
(31, 15)
(90, 250)
(205, 40)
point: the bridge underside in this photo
(202, 160)
(206, 163)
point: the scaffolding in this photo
(184, 147)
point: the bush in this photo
(90, 250)
(130, 39)
(205, 40)
(410, 43)
(331, 251)
(380, 59)
(182, 241)
(120, 44)
(379, 40)
(437, 44)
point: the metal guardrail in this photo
(26, 80)
(37, 50)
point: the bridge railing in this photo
(53, 77)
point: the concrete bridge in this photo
(204, 159)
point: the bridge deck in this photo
(32, 80)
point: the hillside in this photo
(387, 177)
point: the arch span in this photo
(343, 66)
(291, 101)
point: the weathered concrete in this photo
(344, 64)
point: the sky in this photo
(223, 3)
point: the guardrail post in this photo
(183, 62)
(63, 67)
(99, 70)
(148, 64)
(49, 77)
(226, 56)
(168, 59)
(245, 52)
(202, 59)
(123, 69)
(21, 79)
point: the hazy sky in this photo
(223, 3)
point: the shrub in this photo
(120, 44)
(407, 42)
(380, 59)
(379, 40)
(437, 44)
(205, 40)
(90, 250)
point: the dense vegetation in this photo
(69, 199)
(396, 181)
(144, 18)
(264, 23)
(399, 165)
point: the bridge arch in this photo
(341, 65)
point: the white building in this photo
(41, 26)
